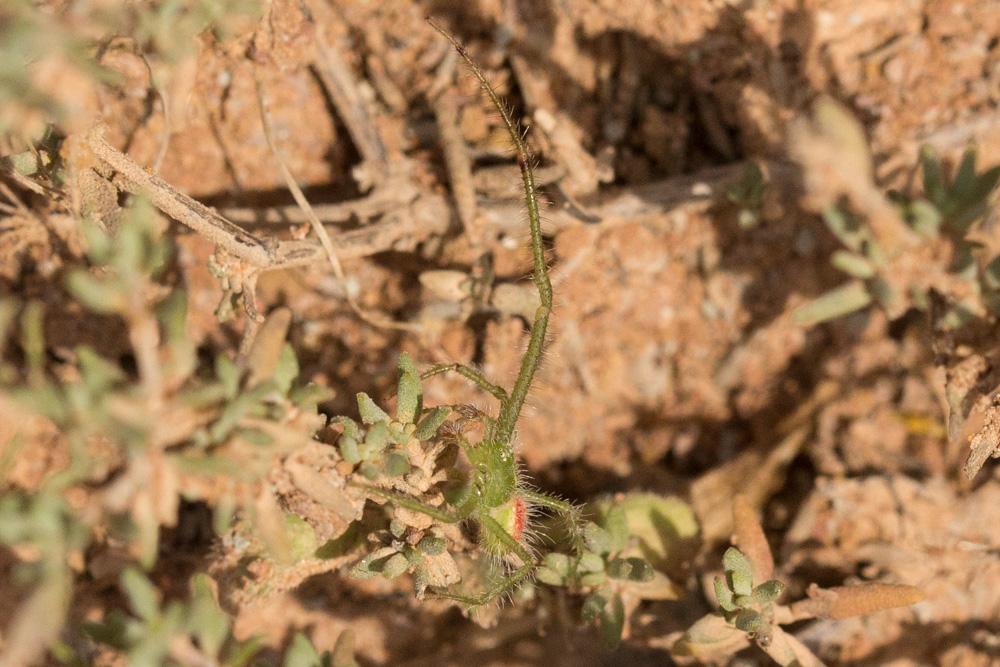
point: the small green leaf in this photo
(351, 428)
(589, 562)
(620, 568)
(370, 413)
(431, 545)
(429, 425)
(558, 562)
(965, 176)
(852, 264)
(547, 575)
(616, 523)
(375, 440)
(613, 621)
(98, 373)
(287, 369)
(301, 653)
(308, 396)
(724, 595)
(396, 464)
(838, 302)
(100, 296)
(113, 630)
(228, 373)
(596, 539)
(349, 449)
(206, 620)
(739, 570)
(301, 537)
(924, 217)
(769, 591)
(394, 566)
(593, 578)
(641, 571)
(408, 393)
(142, 595)
(242, 652)
(749, 620)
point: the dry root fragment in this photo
(847, 601)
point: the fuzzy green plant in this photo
(162, 427)
(751, 611)
(196, 631)
(630, 550)
(947, 214)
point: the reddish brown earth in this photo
(672, 353)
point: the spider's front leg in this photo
(564, 509)
(470, 374)
(414, 505)
(505, 584)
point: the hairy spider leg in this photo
(504, 584)
(510, 409)
(469, 373)
(408, 502)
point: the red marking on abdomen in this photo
(520, 517)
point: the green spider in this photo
(495, 496)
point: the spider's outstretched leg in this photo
(564, 509)
(469, 373)
(510, 409)
(504, 584)
(414, 505)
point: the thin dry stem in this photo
(324, 237)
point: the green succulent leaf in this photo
(596, 539)
(620, 568)
(749, 620)
(769, 591)
(396, 464)
(206, 620)
(724, 595)
(838, 302)
(616, 523)
(612, 621)
(854, 265)
(593, 578)
(640, 571)
(142, 595)
(408, 393)
(301, 653)
(349, 449)
(934, 186)
(287, 369)
(431, 545)
(431, 422)
(559, 563)
(739, 570)
(589, 562)
(547, 575)
(370, 413)
(395, 565)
